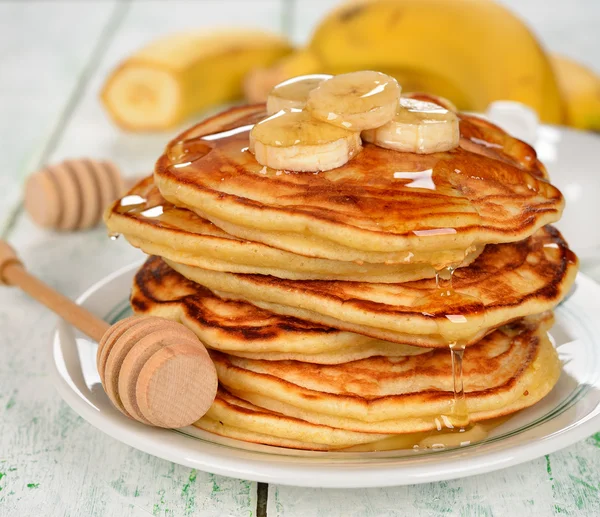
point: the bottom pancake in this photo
(262, 407)
(236, 418)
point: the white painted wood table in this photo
(54, 56)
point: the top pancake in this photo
(375, 208)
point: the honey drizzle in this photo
(458, 420)
(455, 306)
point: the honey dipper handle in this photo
(13, 273)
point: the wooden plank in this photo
(52, 462)
(43, 55)
(563, 484)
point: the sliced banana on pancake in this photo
(355, 101)
(418, 127)
(293, 93)
(295, 141)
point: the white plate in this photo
(568, 414)
(571, 157)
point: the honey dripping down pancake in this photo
(502, 366)
(370, 402)
(339, 254)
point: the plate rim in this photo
(383, 472)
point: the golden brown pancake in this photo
(242, 329)
(377, 207)
(512, 368)
(507, 281)
(157, 227)
(236, 418)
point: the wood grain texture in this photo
(63, 465)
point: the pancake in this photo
(157, 227)
(507, 281)
(512, 368)
(242, 329)
(377, 207)
(233, 417)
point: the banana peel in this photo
(580, 88)
(179, 75)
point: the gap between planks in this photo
(262, 495)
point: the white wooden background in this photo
(54, 56)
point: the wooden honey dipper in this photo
(153, 370)
(72, 195)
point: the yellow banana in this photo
(469, 51)
(580, 88)
(182, 74)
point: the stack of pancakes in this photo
(329, 301)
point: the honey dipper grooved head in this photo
(71, 195)
(156, 371)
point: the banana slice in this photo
(418, 127)
(293, 93)
(356, 101)
(295, 141)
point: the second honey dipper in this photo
(72, 194)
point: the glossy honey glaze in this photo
(492, 183)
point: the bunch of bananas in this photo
(470, 51)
